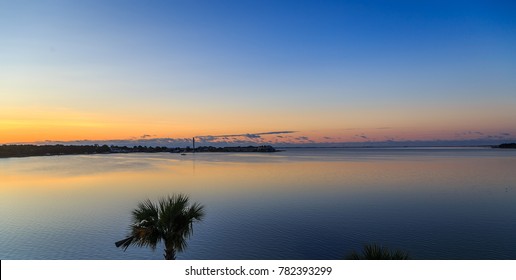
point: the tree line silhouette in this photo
(52, 150)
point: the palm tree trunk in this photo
(170, 254)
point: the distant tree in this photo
(507, 146)
(170, 220)
(104, 149)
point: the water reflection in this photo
(298, 204)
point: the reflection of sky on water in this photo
(444, 203)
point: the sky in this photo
(278, 72)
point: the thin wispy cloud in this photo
(470, 133)
(245, 135)
(362, 136)
(478, 135)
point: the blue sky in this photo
(426, 69)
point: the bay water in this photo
(301, 203)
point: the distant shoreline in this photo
(395, 147)
(17, 151)
(506, 146)
(27, 150)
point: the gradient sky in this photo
(327, 71)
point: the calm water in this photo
(297, 204)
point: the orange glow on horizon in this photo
(37, 124)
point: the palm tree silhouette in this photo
(376, 252)
(170, 220)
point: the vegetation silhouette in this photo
(506, 146)
(170, 220)
(376, 252)
(7, 151)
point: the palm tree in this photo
(170, 220)
(376, 252)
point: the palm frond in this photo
(124, 242)
(170, 220)
(376, 252)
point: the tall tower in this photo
(193, 144)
